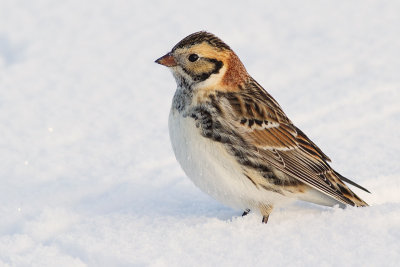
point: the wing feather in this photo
(265, 127)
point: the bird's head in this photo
(202, 59)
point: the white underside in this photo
(217, 173)
(213, 169)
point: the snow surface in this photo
(88, 177)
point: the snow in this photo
(87, 173)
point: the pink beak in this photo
(167, 60)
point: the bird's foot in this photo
(265, 212)
(245, 212)
(265, 219)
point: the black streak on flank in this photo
(251, 180)
(268, 188)
(211, 128)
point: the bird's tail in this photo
(347, 192)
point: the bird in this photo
(233, 140)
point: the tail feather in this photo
(347, 192)
(351, 182)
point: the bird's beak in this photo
(167, 60)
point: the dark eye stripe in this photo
(204, 76)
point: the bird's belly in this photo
(211, 168)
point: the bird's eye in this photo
(193, 57)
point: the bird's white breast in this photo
(211, 168)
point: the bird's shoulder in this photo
(256, 116)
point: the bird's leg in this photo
(265, 211)
(245, 212)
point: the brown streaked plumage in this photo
(233, 139)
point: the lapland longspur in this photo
(233, 140)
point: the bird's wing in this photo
(258, 119)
